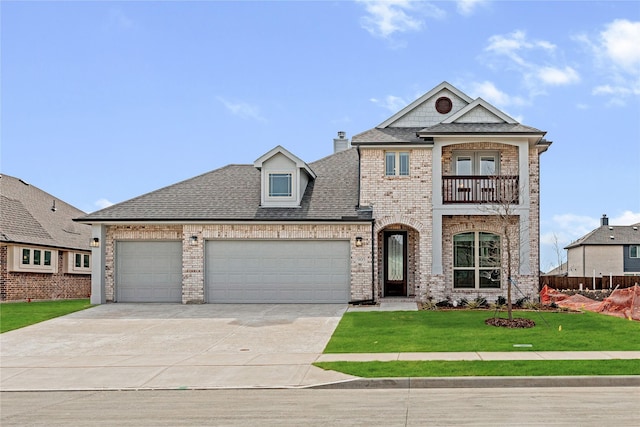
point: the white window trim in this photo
(475, 160)
(396, 166)
(476, 262)
(637, 251)
(14, 261)
(280, 201)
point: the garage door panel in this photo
(277, 271)
(149, 271)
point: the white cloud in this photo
(384, 18)
(616, 53)
(467, 7)
(556, 76)
(621, 41)
(511, 44)
(626, 218)
(391, 103)
(243, 110)
(102, 203)
(490, 93)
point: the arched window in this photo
(476, 260)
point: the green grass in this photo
(21, 314)
(485, 368)
(443, 331)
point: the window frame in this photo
(396, 168)
(273, 195)
(72, 259)
(475, 161)
(477, 270)
(637, 250)
(32, 259)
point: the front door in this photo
(395, 263)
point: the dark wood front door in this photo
(395, 263)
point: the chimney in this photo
(340, 143)
(604, 221)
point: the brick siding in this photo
(21, 286)
(193, 261)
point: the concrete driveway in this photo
(172, 346)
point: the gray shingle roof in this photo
(233, 193)
(388, 135)
(479, 128)
(622, 235)
(27, 217)
(406, 135)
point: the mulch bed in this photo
(513, 324)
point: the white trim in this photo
(479, 102)
(422, 99)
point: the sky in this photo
(102, 101)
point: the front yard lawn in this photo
(20, 314)
(493, 368)
(465, 330)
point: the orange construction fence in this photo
(621, 303)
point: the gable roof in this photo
(28, 217)
(622, 235)
(232, 193)
(281, 150)
(444, 86)
(419, 121)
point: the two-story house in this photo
(607, 250)
(422, 206)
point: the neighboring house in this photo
(44, 254)
(607, 250)
(560, 270)
(407, 212)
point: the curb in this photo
(485, 382)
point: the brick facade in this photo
(405, 203)
(193, 257)
(22, 286)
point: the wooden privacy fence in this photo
(604, 282)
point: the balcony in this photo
(480, 189)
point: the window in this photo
(396, 163)
(634, 251)
(476, 260)
(31, 259)
(477, 163)
(279, 185)
(77, 263)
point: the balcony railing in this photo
(480, 189)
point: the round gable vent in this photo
(443, 105)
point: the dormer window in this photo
(279, 185)
(284, 179)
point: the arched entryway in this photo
(397, 255)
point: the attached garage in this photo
(277, 271)
(149, 271)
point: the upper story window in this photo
(279, 185)
(634, 251)
(476, 260)
(477, 163)
(396, 163)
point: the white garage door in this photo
(282, 271)
(149, 271)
